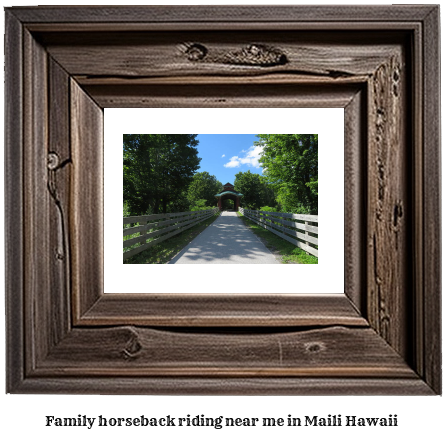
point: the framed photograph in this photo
(230, 155)
(65, 65)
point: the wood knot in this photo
(52, 161)
(253, 55)
(133, 347)
(195, 51)
(398, 213)
(257, 54)
(396, 80)
(314, 347)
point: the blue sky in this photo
(224, 155)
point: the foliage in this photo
(156, 170)
(200, 204)
(180, 203)
(290, 163)
(301, 256)
(204, 186)
(256, 190)
(228, 204)
(270, 209)
(126, 211)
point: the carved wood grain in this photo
(128, 351)
(206, 310)
(37, 257)
(259, 15)
(230, 95)
(162, 54)
(164, 385)
(59, 167)
(86, 200)
(388, 203)
(14, 202)
(430, 318)
(355, 186)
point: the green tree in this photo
(290, 163)
(156, 170)
(199, 204)
(228, 204)
(267, 195)
(204, 186)
(255, 189)
(126, 211)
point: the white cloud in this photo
(223, 155)
(234, 162)
(251, 158)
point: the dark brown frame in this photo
(64, 65)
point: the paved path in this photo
(227, 240)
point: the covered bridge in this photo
(229, 193)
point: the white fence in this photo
(164, 226)
(299, 229)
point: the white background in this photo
(24, 414)
(326, 122)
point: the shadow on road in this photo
(226, 240)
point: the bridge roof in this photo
(228, 193)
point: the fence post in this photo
(311, 234)
(143, 231)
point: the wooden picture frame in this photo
(65, 64)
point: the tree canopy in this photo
(290, 163)
(160, 175)
(157, 169)
(257, 192)
(203, 187)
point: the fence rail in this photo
(299, 229)
(160, 226)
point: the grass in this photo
(164, 251)
(289, 253)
